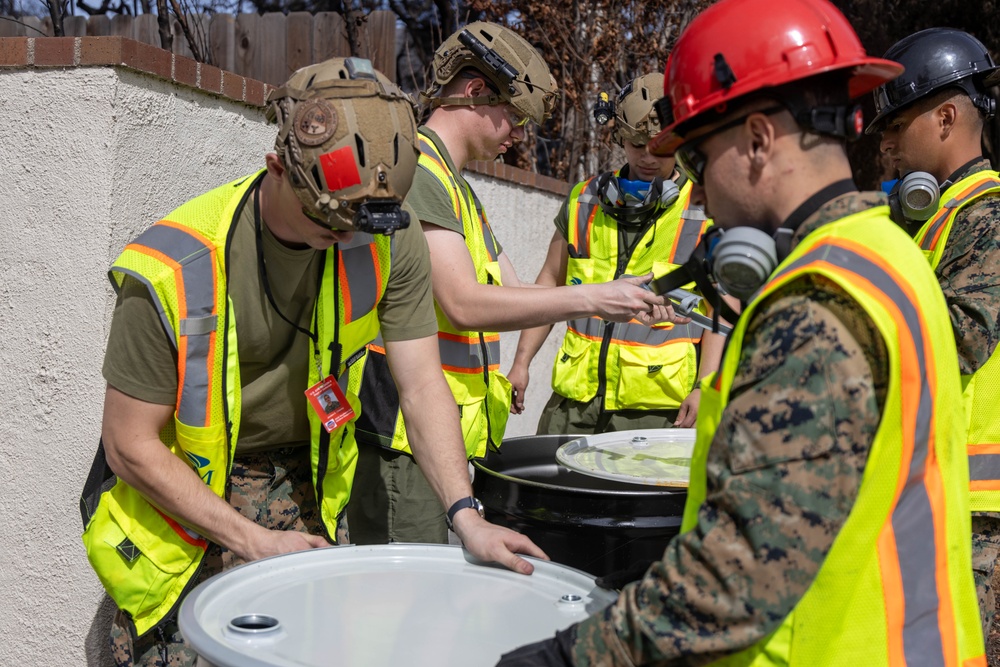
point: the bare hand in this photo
(661, 314)
(518, 377)
(688, 410)
(496, 544)
(624, 299)
(274, 542)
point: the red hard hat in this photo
(737, 47)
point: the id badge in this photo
(328, 400)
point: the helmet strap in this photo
(841, 121)
(487, 100)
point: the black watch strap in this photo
(459, 505)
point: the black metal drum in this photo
(596, 525)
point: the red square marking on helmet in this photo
(340, 169)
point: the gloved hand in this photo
(554, 652)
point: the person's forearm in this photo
(712, 345)
(529, 343)
(492, 308)
(432, 428)
(136, 454)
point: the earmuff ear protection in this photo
(914, 198)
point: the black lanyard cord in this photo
(311, 333)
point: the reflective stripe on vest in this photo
(194, 261)
(358, 266)
(980, 393)
(908, 528)
(635, 333)
(462, 354)
(971, 187)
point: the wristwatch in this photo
(462, 504)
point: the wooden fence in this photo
(267, 47)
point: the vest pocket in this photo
(139, 569)
(654, 378)
(206, 451)
(571, 371)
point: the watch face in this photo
(478, 505)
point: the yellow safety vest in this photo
(979, 389)
(896, 586)
(470, 359)
(633, 366)
(145, 559)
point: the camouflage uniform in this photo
(273, 489)
(969, 274)
(783, 472)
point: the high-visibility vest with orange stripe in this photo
(979, 390)
(896, 586)
(470, 359)
(633, 366)
(145, 559)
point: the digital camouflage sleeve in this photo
(969, 274)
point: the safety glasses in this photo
(514, 117)
(692, 161)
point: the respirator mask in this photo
(633, 202)
(739, 261)
(914, 199)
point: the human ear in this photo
(945, 116)
(760, 135)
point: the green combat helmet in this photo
(348, 140)
(513, 67)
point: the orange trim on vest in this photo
(888, 556)
(345, 294)
(180, 530)
(680, 231)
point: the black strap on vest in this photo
(695, 270)
(99, 480)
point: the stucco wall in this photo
(521, 218)
(88, 158)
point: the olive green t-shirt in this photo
(429, 197)
(141, 361)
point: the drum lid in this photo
(381, 606)
(658, 457)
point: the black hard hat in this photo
(934, 59)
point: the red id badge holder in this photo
(328, 400)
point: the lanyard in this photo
(314, 325)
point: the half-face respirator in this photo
(739, 261)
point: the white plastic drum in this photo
(658, 457)
(381, 606)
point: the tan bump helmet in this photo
(505, 59)
(635, 120)
(347, 137)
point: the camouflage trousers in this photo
(985, 554)
(563, 415)
(273, 489)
